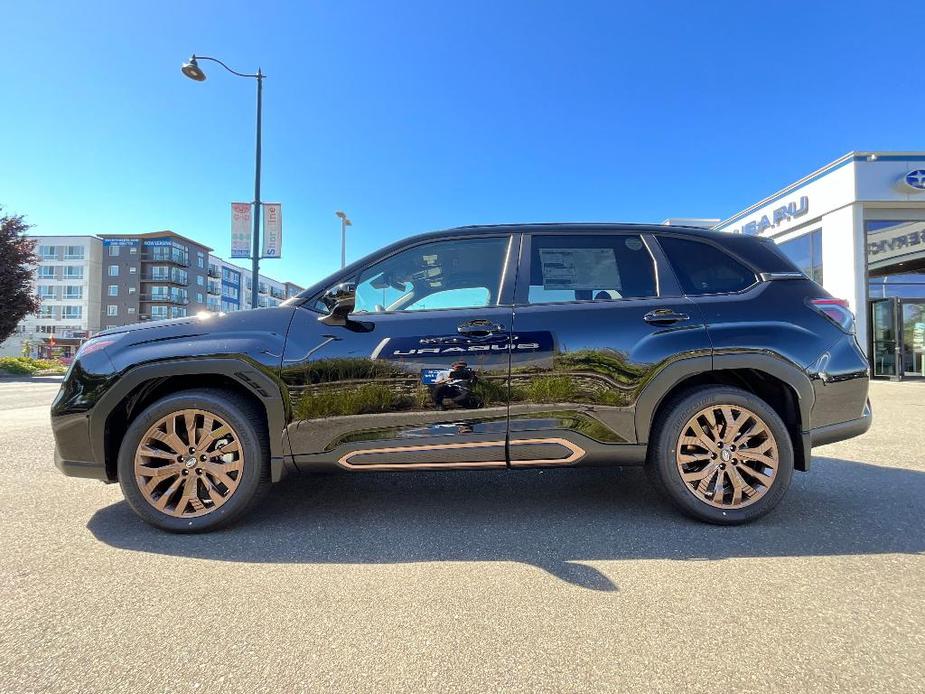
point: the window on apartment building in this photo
(177, 312)
(113, 290)
(46, 291)
(114, 251)
(179, 276)
(48, 252)
(200, 259)
(73, 272)
(131, 290)
(72, 312)
(160, 272)
(133, 269)
(200, 280)
(230, 292)
(45, 312)
(74, 253)
(73, 292)
(198, 298)
(131, 309)
(112, 310)
(47, 272)
(158, 312)
(113, 270)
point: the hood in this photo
(200, 324)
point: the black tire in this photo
(245, 419)
(662, 464)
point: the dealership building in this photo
(857, 226)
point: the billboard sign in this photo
(241, 222)
(272, 230)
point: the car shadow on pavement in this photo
(552, 519)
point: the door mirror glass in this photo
(339, 300)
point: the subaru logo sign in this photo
(915, 179)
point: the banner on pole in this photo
(272, 230)
(241, 222)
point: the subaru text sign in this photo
(779, 215)
(241, 229)
(915, 179)
(272, 230)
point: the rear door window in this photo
(590, 268)
(702, 268)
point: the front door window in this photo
(458, 273)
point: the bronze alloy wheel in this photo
(189, 463)
(727, 456)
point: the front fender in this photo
(253, 377)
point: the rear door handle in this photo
(664, 316)
(479, 328)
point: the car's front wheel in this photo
(194, 461)
(722, 455)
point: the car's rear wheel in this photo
(722, 455)
(194, 461)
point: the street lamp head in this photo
(192, 70)
(341, 214)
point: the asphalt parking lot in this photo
(501, 581)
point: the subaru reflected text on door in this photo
(708, 358)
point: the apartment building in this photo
(89, 283)
(152, 276)
(67, 280)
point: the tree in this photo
(17, 261)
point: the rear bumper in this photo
(842, 430)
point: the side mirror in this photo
(340, 300)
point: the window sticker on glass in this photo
(579, 268)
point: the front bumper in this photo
(73, 453)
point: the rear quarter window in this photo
(702, 268)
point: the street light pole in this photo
(192, 70)
(344, 223)
(255, 266)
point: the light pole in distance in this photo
(344, 223)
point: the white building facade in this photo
(857, 226)
(67, 280)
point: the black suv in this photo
(707, 357)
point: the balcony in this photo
(164, 299)
(173, 259)
(214, 272)
(165, 280)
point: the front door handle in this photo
(479, 328)
(664, 316)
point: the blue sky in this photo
(422, 115)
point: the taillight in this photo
(837, 311)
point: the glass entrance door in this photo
(885, 347)
(912, 316)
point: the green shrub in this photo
(19, 366)
(27, 366)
